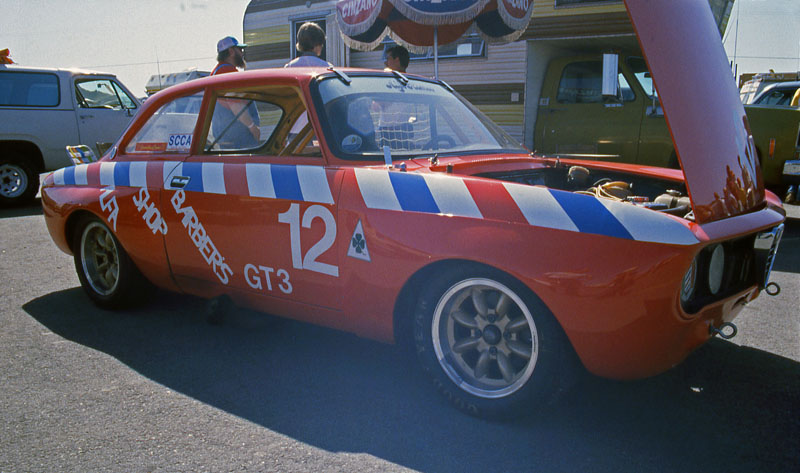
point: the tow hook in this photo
(772, 289)
(726, 331)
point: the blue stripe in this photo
(589, 215)
(194, 171)
(122, 175)
(286, 183)
(69, 176)
(413, 193)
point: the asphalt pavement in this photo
(159, 389)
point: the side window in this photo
(127, 100)
(97, 93)
(242, 121)
(582, 82)
(29, 89)
(643, 76)
(170, 129)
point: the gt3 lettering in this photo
(152, 216)
(110, 206)
(255, 279)
(200, 238)
(309, 261)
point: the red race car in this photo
(386, 205)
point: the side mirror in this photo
(610, 71)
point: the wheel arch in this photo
(412, 289)
(25, 148)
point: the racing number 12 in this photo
(309, 261)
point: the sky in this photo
(135, 39)
(766, 36)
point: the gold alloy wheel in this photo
(485, 338)
(100, 258)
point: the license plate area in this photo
(766, 246)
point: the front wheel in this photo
(107, 274)
(19, 183)
(490, 345)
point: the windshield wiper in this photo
(341, 75)
(401, 77)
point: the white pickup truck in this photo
(44, 110)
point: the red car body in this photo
(352, 243)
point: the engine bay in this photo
(656, 194)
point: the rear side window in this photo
(170, 129)
(29, 89)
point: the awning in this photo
(418, 24)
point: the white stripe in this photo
(452, 196)
(137, 174)
(539, 207)
(107, 174)
(377, 190)
(58, 177)
(259, 180)
(213, 178)
(646, 225)
(81, 179)
(314, 185)
(171, 168)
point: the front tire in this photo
(489, 344)
(19, 183)
(107, 274)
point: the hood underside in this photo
(701, 104)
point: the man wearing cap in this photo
(230, 56)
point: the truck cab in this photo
(43, 111)
(576, 119)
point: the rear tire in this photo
(107, 274)
(490, 345)
(19, 182)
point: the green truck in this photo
(585, 109)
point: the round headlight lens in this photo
(716, 269)
(689, 282)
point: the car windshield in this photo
(414, 118)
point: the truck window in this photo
(582, 82)
(101, 93)
(638, 66)
(29, 89)
(170, 129)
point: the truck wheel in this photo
(19, 183)
(105, 270)
(490, 345)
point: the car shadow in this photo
(32, 208)
(726, 408)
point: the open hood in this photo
(701, 104)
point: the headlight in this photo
(716, 269)
(689, 283)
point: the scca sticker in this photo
(180, 142)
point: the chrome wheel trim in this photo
(100, 258)
(485, 338)
(13, 180)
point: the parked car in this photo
(386, 205)
(44, 110)
(778, 95)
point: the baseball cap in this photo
(228, 42)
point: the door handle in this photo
(87, 116)
(179, 181)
